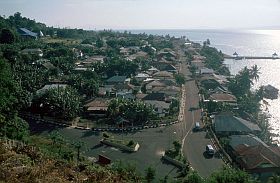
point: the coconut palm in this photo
(254, 72)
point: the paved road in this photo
(152, 142)
(195, 142)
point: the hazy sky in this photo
(148, 14)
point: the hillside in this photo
(28, 164)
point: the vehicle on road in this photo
(210, 150)
(197, 126)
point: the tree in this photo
(150, 174)
(57, 139)
(91, 87)
(12, 96)
(180, 79)
(14, 128)
(99, 43)
(135, 111)
(230, 175)
(63, 102)
(78, 145)
(193, 70)
(274, 179)
(193, 177)
(241, 83)
(177, 147)
(254, 72)
(7, 36)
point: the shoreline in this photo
(273, 105)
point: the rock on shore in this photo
(270, 92)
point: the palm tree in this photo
(254, 72)
(78, 145)
(150, 174)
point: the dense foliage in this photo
(214, 59)
(61, 102)
(136, 111)
(11, 100)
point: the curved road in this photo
(194, 142)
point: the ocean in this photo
(246, 43)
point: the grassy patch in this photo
(61, 40)
(128, 143)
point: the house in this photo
(25, 33)
(167, 53)
(199, 64)
(248, 140)
(155, 96)
(159, 84)
(221, 79)
(140, 96)
(253, 155)
(163, 66)
(129, 50)
(125, 95)
(78, 53)
(97, 107)
(34, 51)
(223, 97)
(261, 160)
(43, 90)
(168, 91)
(160, 107)
(124, 91)
(199, 57)
(116, 80)
(81, 69)
(45, 63)
(153, 70)
(163, 75)
(209, 84)
(142, 76)
(48, 66)
(139, 54)
(92, 60)
(102, 91)
(206, 71)
(226, 124)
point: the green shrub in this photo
(106, 135)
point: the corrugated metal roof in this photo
(230, 123)
(26, 32)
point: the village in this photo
(135, 96)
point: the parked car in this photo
(210, 150)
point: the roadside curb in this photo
(28, 116)
(120, 146)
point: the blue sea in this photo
(247, 43)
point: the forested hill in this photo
(16, 21)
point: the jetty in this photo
(235, 56)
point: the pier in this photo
(250, 57)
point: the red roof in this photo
(254, 156)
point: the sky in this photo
(149, 14)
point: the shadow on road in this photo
(90, 133)
(97, 146)
(40, 127)
(207, 156)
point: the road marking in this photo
(183, 140)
